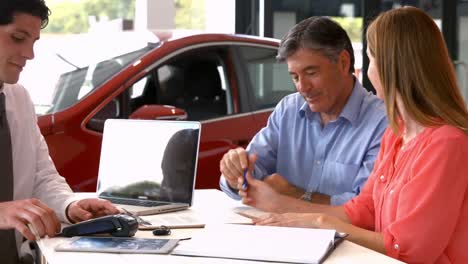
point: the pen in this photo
(36, 235)
(245, 183)
(34, 231)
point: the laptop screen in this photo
(149, 160)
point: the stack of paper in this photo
(282, 244)
(250, 212)
(193, 219)
(180, 219)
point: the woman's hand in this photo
(305, 220)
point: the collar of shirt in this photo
(351, 109)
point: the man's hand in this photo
(319, 198)
(232, 166)
(18, 214)
(90, 208)
(282, 186)
(260, 194)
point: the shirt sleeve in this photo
(366, 167)
(49, 186)
(264, 144)
(360, 210)
(224, 186)
(429, 205)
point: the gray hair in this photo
(319, 34)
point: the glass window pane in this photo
(270, 80)
(286, 14)
(462, 63)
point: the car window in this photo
(138, 88)
(75, 85)
(193, 82)
(269, 79)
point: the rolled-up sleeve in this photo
(360, 210)
(431, 202)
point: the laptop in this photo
(149, 166)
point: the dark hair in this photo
(37, 8)
(319, 34)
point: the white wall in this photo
(154, 14)
(220, 16)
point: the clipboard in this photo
(262, 243)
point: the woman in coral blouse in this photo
(414, 206)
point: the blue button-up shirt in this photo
(334, 159)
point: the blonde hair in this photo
(413, 63)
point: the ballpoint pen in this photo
(36, 235)
(245, 183)
(34, 231)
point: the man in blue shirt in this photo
(320, 143)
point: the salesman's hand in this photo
(232, 166)
(90, 208)
(18, 214)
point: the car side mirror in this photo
(111, 110)
(159, 112)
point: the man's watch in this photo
(307, 196)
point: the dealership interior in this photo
(230, 131)
(272, 18)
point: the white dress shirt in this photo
(35, 175)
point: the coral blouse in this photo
(417, 197)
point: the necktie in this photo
(8, 252)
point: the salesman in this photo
(33, 196)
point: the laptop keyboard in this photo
(136, 202)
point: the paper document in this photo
(250, 212)
(266, 243)
(194, 219)
(181, 219)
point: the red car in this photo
(228, 82)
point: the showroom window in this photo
(269, 79)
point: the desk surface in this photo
(216, 207)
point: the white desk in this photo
(215, 207)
